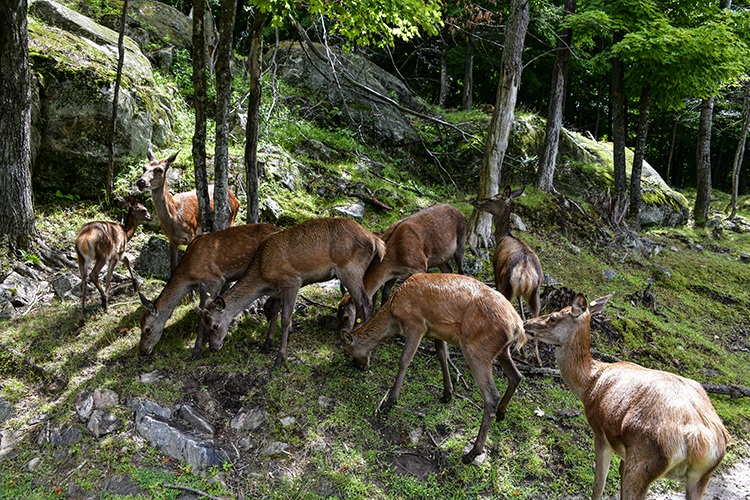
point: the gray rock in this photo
(415, 435)
(576, 250)
(103, 422)
(287, 422)
(745, 257)
(662, 271)
(154, 259)
(517, 222)
(271, 209)
(170, 440)
(63, 287)
(276, 449)
(550, 280)
(281, 166)
(105, 398)
(66, 436)
(609, 274)
(355, 208)
(325, 402)
(6, 410)
(194, 418)
(147, 378)
(249, 420)
(21, 290)
(137, 405)
(124, 486)
(33, 464)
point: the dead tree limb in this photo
(191, 490)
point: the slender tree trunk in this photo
(443, 70)
(16, 204)
(619, 133)
(703, 163)
(223, 99)
(253, 117)
(546, 170)
(740, 153)
(200, 101)
(638, 154)
(467, 93)
(115, 99)
(480, 223)
(672, 140)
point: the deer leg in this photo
(458, 258)
(271, 311)
(173, 257)
(695, 488)
(353, 283)
(288, 298)
(94, 277)
(603, 457)
(482, 372)
(638, 472)
(514, 378)
(412, 336)
(534, 307)
(84, 289)
(385, 291)
(126, 261)
(441, 347)
(202, 334)
(445, 268)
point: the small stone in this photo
(575, 249)
(609, 274)
(103, 422)
(66, 436)
(195, 419)
(415, 436)
(246, 444)
(33, 464)
(276, 448)
(149, 377)
(84, 406)
(6, 410)
(479, 459)
(325, 402)
(249, 420)
(105, 398)
(288, 422)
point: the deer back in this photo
(518, 271)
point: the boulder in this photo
(75, 63)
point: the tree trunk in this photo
(443, 70)
(546, 170)
(200, 100)
(253, 116)
(672, 139)
(467, 93)
(115, 99)
(638, 154)
(740, 153)
(16, 204)
(479, 233)
(703, 163)
(223, 100)
(619, 134)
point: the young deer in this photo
(179, 215)
(458, 310)
(213, 259)
(414, 244)
(518, 272)
(658, 423)
(104, 243)
(310, 252)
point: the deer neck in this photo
(130, 225)
(502, 226)
(248, 288)
(173, 293)
(163, 203)
(576, 365)
(375, 277)
(379, 328)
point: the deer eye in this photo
(158, 170)
(148, 329)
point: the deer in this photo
(660, 424)
(213, 259)
(103, 243)
(518, 272)
(449, 308)
(428, 238)
(310, 252)
(179, 215)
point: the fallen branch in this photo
(191, 490)
(731, 390)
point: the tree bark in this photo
(253, 117)
(16, 204)
(479, 232)
(703, 163)
(443, 96)
(200, 102)
(115, 99)
(545, 172)
(672, 139)
(640, 151)
(740, 153)
(619, 133)
(467, 93)
(223, 100)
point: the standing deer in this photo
(518, 272)
(104, 243)
(455, 309)
(179, 215)
(310, 252)
(658, 423)
(414, 244)
(213, 259)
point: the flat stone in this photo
(138, 404)
(103, 422)
(194, 418)
(105, 398)
(249, 420)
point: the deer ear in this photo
(579, 305)
(219, 303)
(198, 311)
(205, 295)
(506, 192)
(597, 305)
(518, 192)
(348, 339)
(171, 159)
(148, 305)
(150, 154)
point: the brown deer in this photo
(429, 238)
(312, 251)
(179, 216)
(213, 259)
(455, 309)
(104, 243)
(518, 272)
(658, 423)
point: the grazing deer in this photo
(104, 243)
(455, 309)
(429, 238)
(658, 423)
(179, 215)
(213, 259)
(310, 252)
(518, 272)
